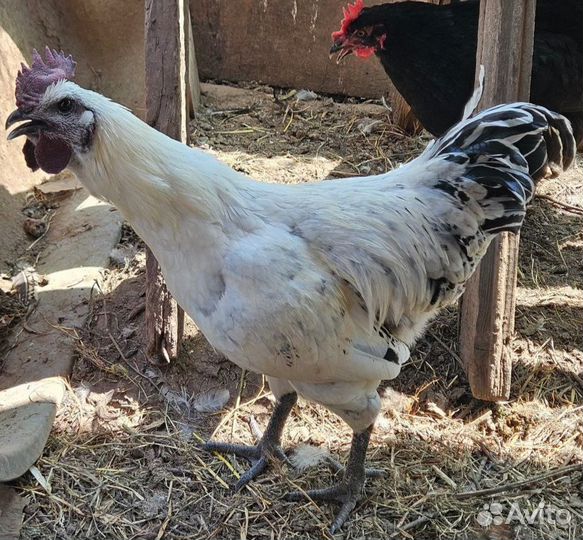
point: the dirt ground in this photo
(123, 462)
(18, 278)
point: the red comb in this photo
(351, 13)
(32, 82)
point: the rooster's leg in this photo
(268, 447)
(349, 491)
(369, 472)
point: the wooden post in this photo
(166, 110)
(505, 44)
(192, 80)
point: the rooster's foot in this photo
(347, 493)
(268, 446)
(259, 456)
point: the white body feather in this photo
(291, 281)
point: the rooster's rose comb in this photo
(351, 13)
(32, 82)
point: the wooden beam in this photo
(166, 110)
(192, 79)
(505, 45)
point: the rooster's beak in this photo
(342, 47)
(338, 46)
(15, 116)
(30, 128)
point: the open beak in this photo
(341, 47)
(29, 128)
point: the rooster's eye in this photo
(360, 33)
(65, 105)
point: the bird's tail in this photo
(506, 149)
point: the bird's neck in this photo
(160, 185)
(422, 39)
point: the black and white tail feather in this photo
(487, 166)
(406, 242)
(506, 149)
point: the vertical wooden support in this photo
(166, 110)
(192, 80)
(505, 44)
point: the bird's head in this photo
(357, 35)
(53, 112)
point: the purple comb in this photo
(32, 82)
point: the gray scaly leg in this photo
(349, 491)
(268, 447)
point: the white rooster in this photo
(321, 287)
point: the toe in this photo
(374, 473)
(334, 493)
(342, 516)
(295, 496)
(256, 469)
(240, 450)
(278, 453)
(339, 493)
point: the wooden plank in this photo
(192, 79)
(505, 45)
(11, 513)
(166, 106)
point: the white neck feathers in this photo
(150, 176)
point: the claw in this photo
(256, 469)
(348, 494)
(255, 429)
(342, 516)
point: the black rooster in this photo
(429, 52)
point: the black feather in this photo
(507, 150)
(430, 51)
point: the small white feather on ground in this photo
(212, 401)
(306, 456)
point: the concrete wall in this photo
(107, 39)
(282, 43)
(20, 30)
